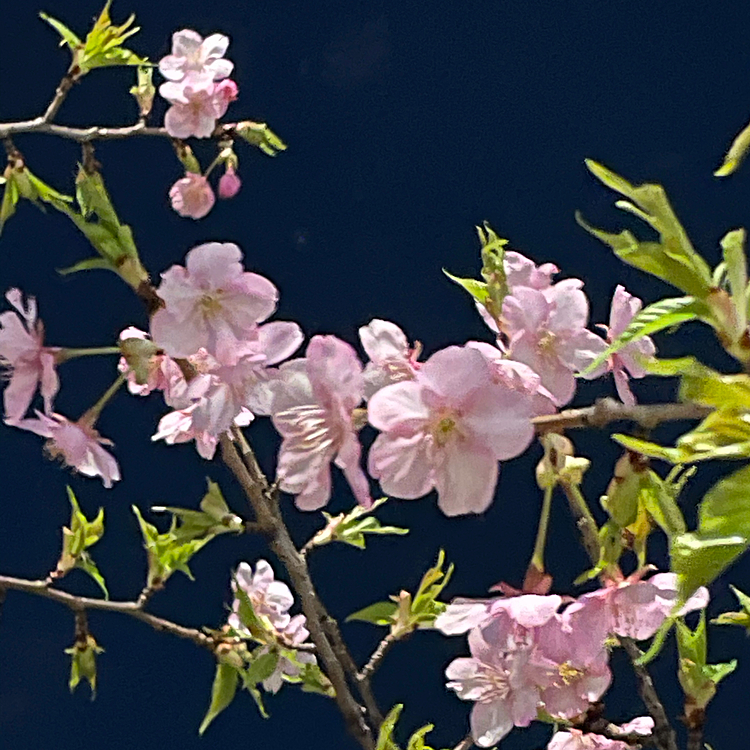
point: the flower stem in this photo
(537, 559)
(65, 354)
(93, 413)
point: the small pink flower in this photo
(391, 358)
(193, 54)
(77, 444)
(22, 352)
(229, 183)
(211, 303)
(192, 196)
(312, 410)
(271, 599)
(546, 330)
(197, 103)
(575, 739)
(447, 430)
(626, 361)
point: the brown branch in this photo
(607, 410)
(65, 85)
(80, 604)
(377, 656)
(261, 496)
(466, 743)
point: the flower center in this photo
(211, 304)
(443, 430)
(496, 685)
(569, 673)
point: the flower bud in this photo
(229, 183)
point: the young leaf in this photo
(380, 613)
(736, 154)
(222, 693)
(68, 37)
(666, 313)
(258, 134)
(385, 735)
(736, 618)
(261, 667)
(83, 663)
(477, 289)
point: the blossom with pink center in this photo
(636, 609)
(23, 354)
(77, 444)
(294, 634)
(197, 103)
(191, 53)
(522, 271)
(447, 430)
(312, 409)
(546, 330)
(191, 196)
(573, 662)
(391, 358)
(497, 680)
(575, 739)
(229, 183)
(211, 303)
(627, 361)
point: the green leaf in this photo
(83, 662)
(660, 500)
(477, 289)
(68, 37)
(666, 313)
(673, 259)
(88, 265)
(733, 249)
(416, 741)
(385, 735)
(736, 618)
(262, 667)
(87, 565)
(725, 509)
(380, 613)
(222, 693)
(736, 154)
(258, 134)
(10, 199)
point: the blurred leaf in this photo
(380, 613)
(736, 154)
(416, 741)
(673, 259)
(222, 693)
(385, 735)
(258, 134)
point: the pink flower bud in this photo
(192, 196)
(229, 183)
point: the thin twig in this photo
(607, 410)
(65, 85)
(83, 603)
(466, 743)
(377, 656)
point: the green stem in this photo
(65, 354)
(93, 413)
(584, 520)
(537, 559)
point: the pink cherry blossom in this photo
(521, 271)
(211, 303)
(497, 679)
(312, 410)
(575, 739)
(636, 609)
(197, 103)
(229, 183)
(627, 360)
(191, 196)
(546, 330)
(447, 430)
(294, 634)
(77, 444)
(23, 354)
(391, 358)
(271, 599)
(193, 54)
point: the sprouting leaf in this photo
(737, 618)
(222, 693)
(416, 741)
(736, 154)
(380, 613)
(385, 735)
(258, 134)
(351, 527)
(68, 37)
(477, 289)
(83, 662)
(666, 313)
(77, 538)
(673, 259)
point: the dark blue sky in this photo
(407, 124)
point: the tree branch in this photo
(607, 410)
(83, 603)
(377, 656)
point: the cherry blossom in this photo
(193, 54)
(312, 410)
(546, 330)
(522, 271)
(447, 430)
(191, 196)
(391, 358)
(77, 444)
(197, 103)
(229, 183)
(271, 599)
(23, 354)
(626, 361)
(211, 303)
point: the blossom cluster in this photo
(444, 424)
(528, 656)
(271, 601)
(199, 91)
